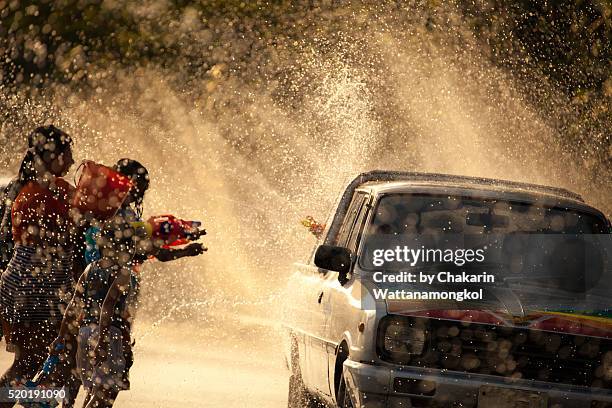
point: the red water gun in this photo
(173, 231)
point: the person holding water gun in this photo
(165, 231)
(159, 235)
(158, 238)
(111, 273)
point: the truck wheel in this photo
(344, 399)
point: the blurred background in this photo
(251, 115)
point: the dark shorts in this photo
(111, 373)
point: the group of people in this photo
(70, 281)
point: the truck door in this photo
(321, 345)
(343, 298)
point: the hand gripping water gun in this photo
(172, 231)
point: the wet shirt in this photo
(42, 213)
(38, 282)
(92, 251)
(92, 254)
(35, 286)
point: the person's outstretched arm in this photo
(166, 255)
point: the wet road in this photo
(181, 364)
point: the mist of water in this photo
(251, 151)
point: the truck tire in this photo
(344, 399)
(342, 396)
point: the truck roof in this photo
(381, 181)
(385, 180)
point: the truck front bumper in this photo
(378, 386)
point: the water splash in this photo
(270, 129)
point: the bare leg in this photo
(87, 398)
(7, 379)
(9, 376)
(22, 368)
(72, 390)
(65, 375)
(31, 342)
(101, 398)
(26, 363)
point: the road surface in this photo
(195, 365)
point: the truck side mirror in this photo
(334, 258)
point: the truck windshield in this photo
(414, 213)
(529, 247)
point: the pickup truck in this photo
(347, 348)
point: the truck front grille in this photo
(520, 353)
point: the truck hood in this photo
(512, 307)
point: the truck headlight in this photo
(401, 337)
